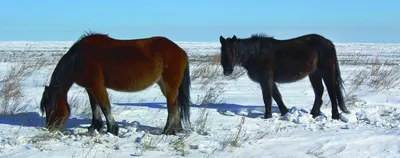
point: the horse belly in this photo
(133, 78)
(288, 78)
(294, 72)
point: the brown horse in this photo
(97, 61)
(269, 61)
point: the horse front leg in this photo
(99, 92)
(97, 123)
(266, 87)
(278, 99)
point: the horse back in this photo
(309, 40)
(294, 59)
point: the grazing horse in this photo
(97, 62)
(269, 61)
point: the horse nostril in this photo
(227, 72)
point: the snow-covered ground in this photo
(233, 128)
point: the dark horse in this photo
(269, 61)
(96, 62)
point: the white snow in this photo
(371, 130)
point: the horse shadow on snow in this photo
(251, 111)
(34, 119)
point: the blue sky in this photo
(203, 20)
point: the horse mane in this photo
(91, 34)
(55, 76)
(62, 76)
(249, 48)
(260, 36)
(254, 38)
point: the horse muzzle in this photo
(228, 72)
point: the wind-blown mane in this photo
(260, 36)
(249, 48)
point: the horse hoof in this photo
(335, 117)
(346, 111)
(267, 116)
(172, 131)
(315, 115)
(95, 126)
(91, 129)
(114, 130)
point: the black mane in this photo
(249, 48)
(62, 75)
(260, 36)
(67, 64)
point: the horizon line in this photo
(186, 41)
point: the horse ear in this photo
(221, 39)
(234, 37)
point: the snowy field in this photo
(227, 118)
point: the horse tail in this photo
(184, 97)
(339, 84)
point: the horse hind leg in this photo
(316, 82)
(171, 125)
(329, 80)
(170, 91)
(101, 96)
(97, 123)
(161, 88)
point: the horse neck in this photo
(62, 88)
(63, 75)
(247, 52)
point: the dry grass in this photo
(201, 126)
(11, 93)
(372, 74)
(238, 138)
(212, 94)
(39, 141)
(80, 105)
(383, 76)
(206, 72)
(209, 69)
(179, 145)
